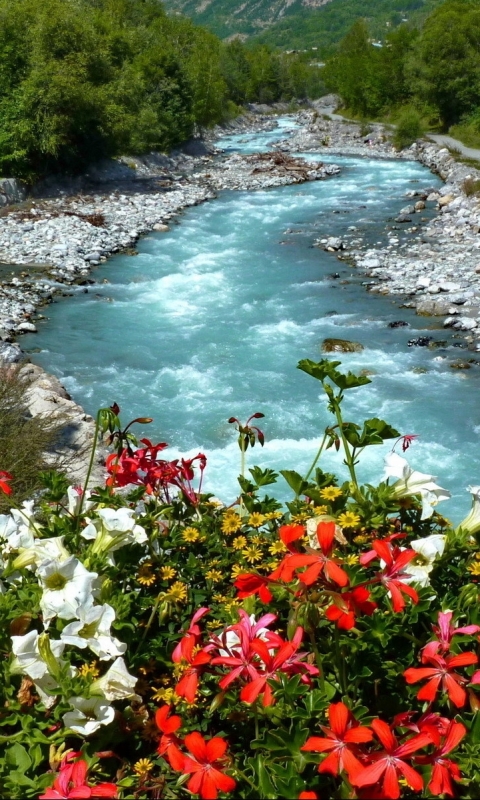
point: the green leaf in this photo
(375, 431)
(17, 756)
(327, 369)
(295, 481)
(263, 477)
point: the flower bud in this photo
(45, 652)
(217, 701)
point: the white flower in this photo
(115, 528)
(421, 566)
(471, 523)
(41, 550)
(116, 684)
(66, 586)
(411, 482)
(28, 660)
(14, 534)
(74, 494)
(93, 630)
(89, 715)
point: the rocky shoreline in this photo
(53, 241)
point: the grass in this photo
(27, 444)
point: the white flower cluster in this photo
(69, 591)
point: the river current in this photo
(209, 321)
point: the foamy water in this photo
(210, 320)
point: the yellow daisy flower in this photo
(219, 598)
(252, 554)
(237, 570)
(351, 560)
(145, 576)
(361, 539)
(214, 575)
(300, 518)
(273, 515)
(232, 605)
(474, 569)
(143, 767)
(273, 565)
(214, 623)
(214, 562)
(166, 695)
(239, 542)
(277, 547)
(167, 573)
(348, 519)
(330, 493)
(257, 539)
(231, 522)
(190, 535)
(256, 519)
(176, 594)
(317, 511)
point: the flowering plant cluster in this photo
(157, 643)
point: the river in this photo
(209, 321)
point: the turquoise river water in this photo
(210, 320)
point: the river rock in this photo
(334, 243)
(398, 324)
(10, 353)
(445, 200)
(160, 227)
(420, 341)
(26, 327)
(341, 346)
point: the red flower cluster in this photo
(440, 673)
(5, 478)
(143, 467)
(204, 760)
(324, 571)
(71, 782)
(378, 772)
(254, 654)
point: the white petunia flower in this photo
(411, 482)
(421, 566)
(93, 630)
(74, 494)
(116, 684)
(28, 660)
(14, 534)
(66, 586)
(41, 550)
(471, 523)
(89, 715)
(114, 529)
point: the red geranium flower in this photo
(317, 562)
(348, 605)
(441, 673)
(71, 783)
(192, 632)
(187, 685)
(391, 576)
(4, 478)
(207, 765)
(443, 769)
(168, 746)
(389, 763)
(340, 742)
(445, 632)
(248, 583)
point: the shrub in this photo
(160, 644)
(471, 186)
(25, 441)
(409, 128)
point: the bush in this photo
(409, 128)
(160, 644)
(26, 443)
(471, 186)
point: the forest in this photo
(432, 72)
(84, 79)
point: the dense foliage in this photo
(157, 643)
(435, 70)
(82, 79)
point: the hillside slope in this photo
(299, 24)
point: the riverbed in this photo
(210, 319)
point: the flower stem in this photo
(317, 457)
(90, 467)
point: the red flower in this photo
(168, 746)
(348, 605)
(388, 764)
(207, 764)
(308, 796)
(391, 576)
(248, 583)
(236, 651)
(70, 783)
(289, 534)
(443, 769)
(317, 562)
(187, 685)
(193, 631)
(441, 673)
(445, 632)
(285, 660)
(341, 740)
(4, 478)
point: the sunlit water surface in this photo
(210, 320)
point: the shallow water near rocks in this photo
(210, 320)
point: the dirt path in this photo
(449, 141)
